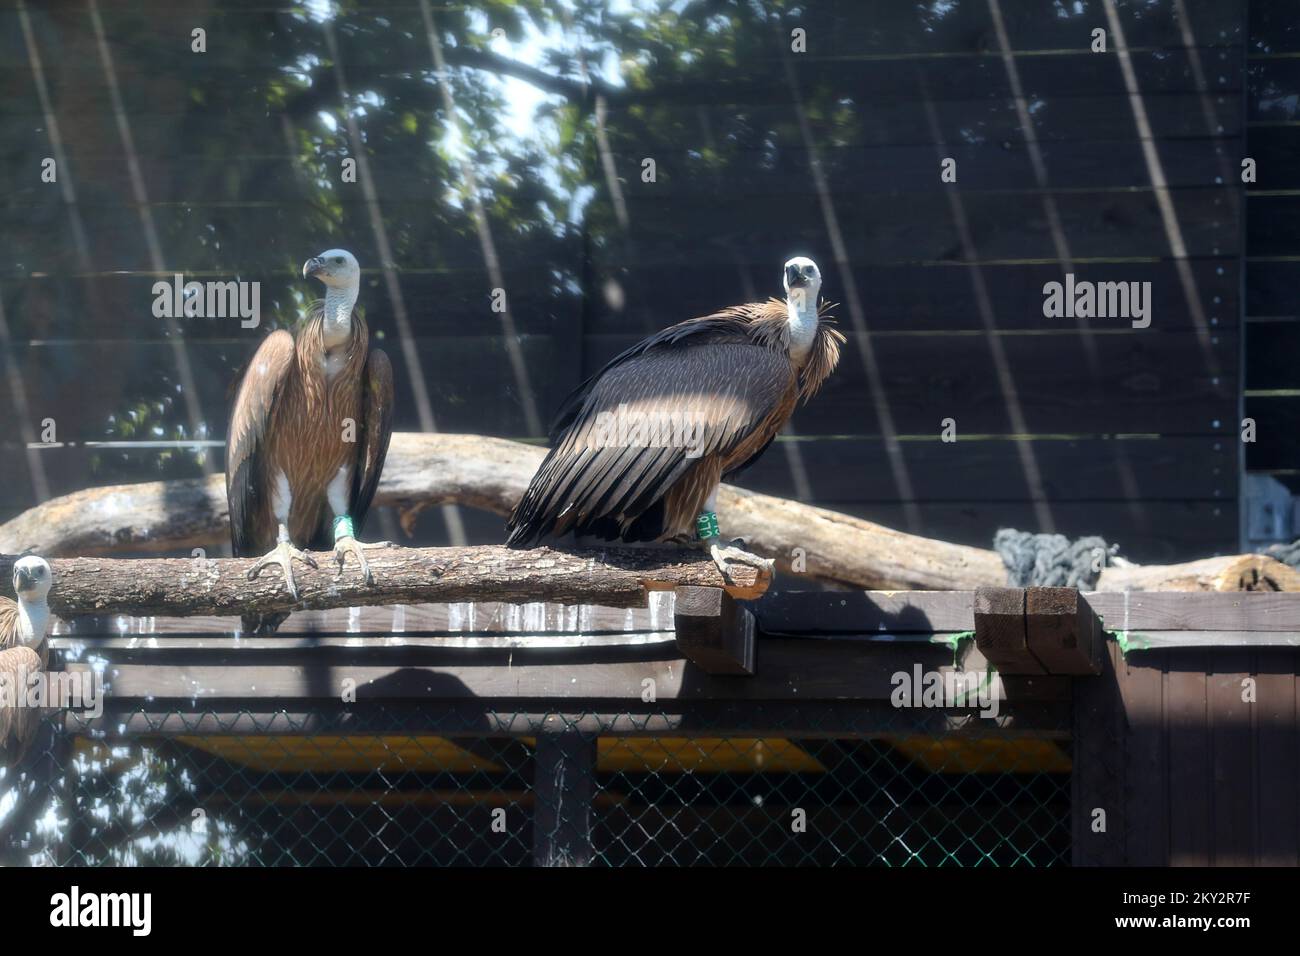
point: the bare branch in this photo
(491, 474)
(182, 587)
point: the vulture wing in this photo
(376, 430)
(17, 724)
(706, 374)
(246, 437)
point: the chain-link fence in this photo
(387, 784)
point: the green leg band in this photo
(342, 528)
(706, 525)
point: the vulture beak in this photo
(312, 266)
(22, 580)
(794, 278)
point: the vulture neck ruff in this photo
(322, 367)
(801, 312)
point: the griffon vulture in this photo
(638, 450)
(23, 652)
(309, 431)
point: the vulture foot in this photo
(347, 545)
(283, 555)
(727, 557)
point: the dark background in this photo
(226, 165)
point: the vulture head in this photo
(803, 283)
(32, 578)
(802, 273)
(337, 268)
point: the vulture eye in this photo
(338, 260)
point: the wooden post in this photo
(714, 631)
(1098, 788)
(1062, 631)
(1000, 631)
(564, 779)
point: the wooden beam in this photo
(795, 613)
(535, 620)
(714, 632)
(1164, 611)
(1062, 631)
(1159, 640)
(793, 669)
(1043, 719)
(865, 612)
(164, 645)
(1000, 630)
(614, 577)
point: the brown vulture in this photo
(309, 431)
(23, 652)
(638, 450)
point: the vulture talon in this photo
(728, 557)
(347, 545)
(283, 555)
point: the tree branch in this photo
(183, 587)
(324, 91)
(579, 92)
(491, 474)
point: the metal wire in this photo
(411, 787)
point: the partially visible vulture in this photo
(23, 652)
(309, 431)
(638, 450)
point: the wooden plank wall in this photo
(1272, 274)
(1187, 767)
(834, 152)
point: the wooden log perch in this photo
(182, 587)
(424, 470)
(1236, 572)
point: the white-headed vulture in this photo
(23, 653)
(638, 450)
(309, 431)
